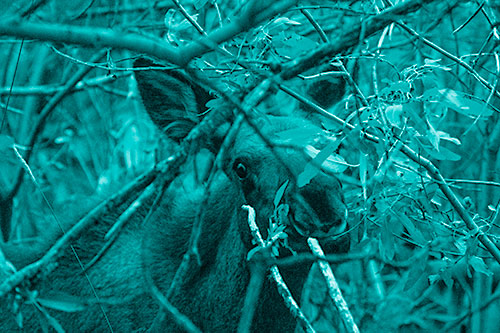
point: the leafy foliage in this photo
(432, 89)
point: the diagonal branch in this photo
(45, 113)
(181, 56)
(431, 169)
(62, 243)
(351, 38)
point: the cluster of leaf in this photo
(425, 256)
(418, 249)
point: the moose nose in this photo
(329, 210)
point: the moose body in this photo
(212, 294)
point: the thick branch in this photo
(88, 36)
(33, 269)
(351, 38)
(431, 169)
(100, 37)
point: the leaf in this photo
(66, 303)
(281, 217)
(279, 193)
(458, 101)
(448, 137)
(363, 172)
(285, 21)
(298, 135)
(417, 270)
(252, 252)
(434, 278)
(386, 243)
(460, 245)
(412, 111)
(444, 154)
(447, 277)
(479, 266)
(433, 136)
(434, 63)
(414, 233)
(440, 135)
(313, 167)
(394, 114)
(52, 321)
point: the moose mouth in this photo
(320, 230)
(300, 226)
(311, 213)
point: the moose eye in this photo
(240, 169)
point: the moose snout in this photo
(319, 211)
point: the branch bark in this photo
(131, 189)
(351, 38)
(100, 37)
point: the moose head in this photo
(260, 169)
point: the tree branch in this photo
(131, 189)
(351, 38)
(431, 169)
(100, 37)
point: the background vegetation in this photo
(412, 85)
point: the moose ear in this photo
(171, 99)
(326, 91)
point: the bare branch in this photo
(45, 90)
(275, 273)
(352, 38)
(45, 113)
(431, 169)
(131, 189)
(99, 37)
(333, 287)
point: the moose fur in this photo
(212, 294)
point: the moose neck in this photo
(211, 294)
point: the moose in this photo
(213, 292)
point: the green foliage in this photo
(423, 263)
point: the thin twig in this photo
(50, 89)
(113, 233)
(431, 169)
(333, 288)
(131, 189)
(351, 38)
(181, 319)
(189, 17)
(45, 113)
(452, 57)
(257, 277)
(100, 37)
(315, 25)
(282, 287)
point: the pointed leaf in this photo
(459, 102)
(63, 303)
(279, 193)
(479, 266)
(394, 114)
(313, 167)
